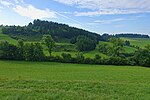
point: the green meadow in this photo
(58, 81)
(4, 37)
(140, 42)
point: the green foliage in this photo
(98, 59)
(106, 37)
(73, 40)
(117, 48)
(114, 48)
(79, 57)
(85, 44)
(49, 42)
(4, 37)
(138, 42)
(118, 61)
(127, 43)
(35, 31)
(142, 56)
(130, 35)
(33, 52)
(20, 49)
(129, 49)
(66, 57)
(103, 48)
(8, 51)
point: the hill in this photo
(131, 35)
(62, 35)
(35, 31)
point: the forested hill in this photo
(35, 30)
(130, 35)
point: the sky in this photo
(100, 16)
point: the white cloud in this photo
(28, 10)
(1, 7)
(34, 13)
(6, 3)
(19, 1)
(109, 12)
(109, 21)
(101, 7)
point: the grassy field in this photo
(90, 54)
(57, 81)
(140, 42)
(4, 37)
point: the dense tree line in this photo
(106, 36)
(34, 52)
(35, 31)
(84, 43)
(131, 35)
(28, 51)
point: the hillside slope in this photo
(140, 42)
(4, 37)
(35, 31)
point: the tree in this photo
(117, 47)
(97, 59)
(127, 43)
(85, 44)
(20, 49)
(117, 61)
(142, 56)
(103, 48)
(37, 28)
(33, 52)
(38, 52)
(49, 42)
(73, 40)
(79, 57)
(147, 47)
(8, 51)
(66, 57)
(4, 46)
(29, 52)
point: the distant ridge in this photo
(132, 35)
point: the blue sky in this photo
(101, 16)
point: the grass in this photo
(129, 49)
(57, 81)
(140, 42)
(126, 48)
(4, 37)
(90, 54)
